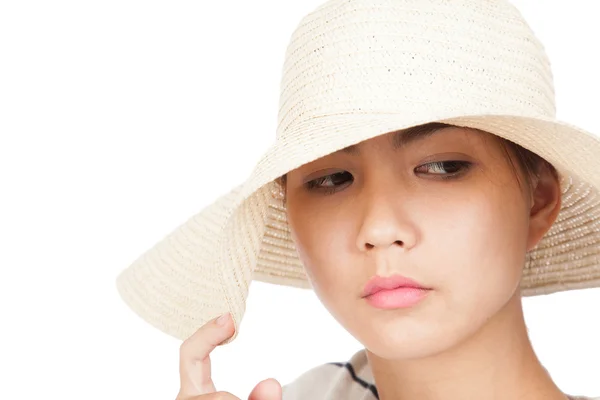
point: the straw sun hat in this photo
(356, 69)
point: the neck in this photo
(498, 362)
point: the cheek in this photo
(324, 242)
(481, 252)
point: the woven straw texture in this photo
(356, 69)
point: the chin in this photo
(399, 338)
(409, 350)
(402, 347)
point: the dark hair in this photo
(529, 163)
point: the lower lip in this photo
(403, 297)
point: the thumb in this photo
(268, 389)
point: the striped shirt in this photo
(351, 380)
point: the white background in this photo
(119, 119)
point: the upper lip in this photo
(378, 283)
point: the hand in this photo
(194, 366)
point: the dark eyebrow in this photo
(403, 138)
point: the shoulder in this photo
(351, 380)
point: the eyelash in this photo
(462, 166)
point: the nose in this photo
(386, 223)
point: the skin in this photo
(194, 366)
(386, 212)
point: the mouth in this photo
(378, 284)
(394, 292)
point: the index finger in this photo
(194, 356)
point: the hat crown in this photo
(440, 58)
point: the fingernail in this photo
(222, 320)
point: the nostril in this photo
(369, 246)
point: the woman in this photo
(420, 184)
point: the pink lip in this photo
(394, 292)
(377, 283)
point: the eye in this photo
(330, 183)
(444, 169)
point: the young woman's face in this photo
(444, 209)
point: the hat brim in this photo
(205, 266)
